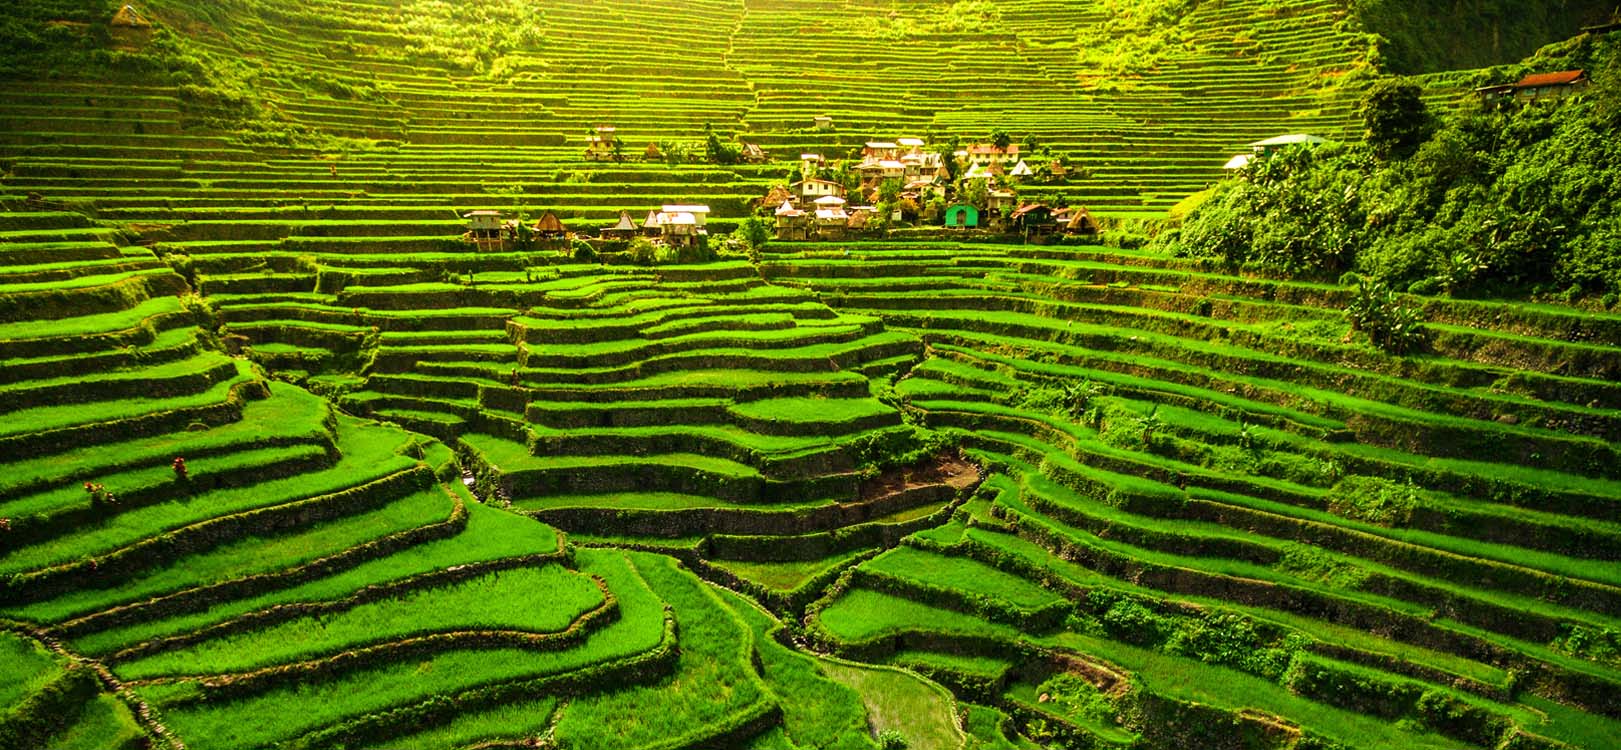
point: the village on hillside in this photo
(886, 185)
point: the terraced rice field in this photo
(974, 494)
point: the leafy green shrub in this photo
(1499, 200)
(643, 252)
(1376, 311)
(891, 739)
(1073, 696)
(1374, 499)
(1395, 118)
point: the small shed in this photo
(1538, 87)
(650, 225)
(1272, 146)
(881, 150)
(1078, 220)
(129, 18)
(679, 229)
(550, 227)
(603, 144)
(1034, 220)
(775, 197)
(1238, 162)
(753, 154)
(128, 27)
(832, 223)
(624, 230)
(1021, 170)
(653, 153)
(792, 223)
(700, 213)
(822, 122)
(809, 190)
(962, 216)
(483, 222)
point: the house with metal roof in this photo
(1537, 87)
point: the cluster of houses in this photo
(672, 225)
(817, 208)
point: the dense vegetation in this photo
(1494, 198)
(287, 463)
(1426, 36)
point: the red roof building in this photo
(1538, 86)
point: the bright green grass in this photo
(923, 712)
(812, 410)
(104, 724)
(1102, 727)
(726, 433)
(646, 501)
(863, 614)
(71, 497)
(987, 667)
(44, 418)
(817, 711)
(369, 453)
(286, 712)
(199, 363)
(512, 456)
(713, 679)
(525, 719)
(490, 535)
(786, 576)
(91, 324)
(289, 414)
(960, 574)
(496, 601)
(25, 667)
(989, 727)
(253, 555)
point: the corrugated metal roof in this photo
(1563, 78)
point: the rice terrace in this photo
(810, 374)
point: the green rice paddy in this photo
(287, 464)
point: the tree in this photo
(976, 193)
(948, 157)
(1030, 145)
(1000, 139)
(889, 191)
(755, 232)
(718, 151)
(1396, 118)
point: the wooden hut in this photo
(550, 227)
(129, 28)
(626, 229)
(962, 216)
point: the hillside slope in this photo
(288, 464)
